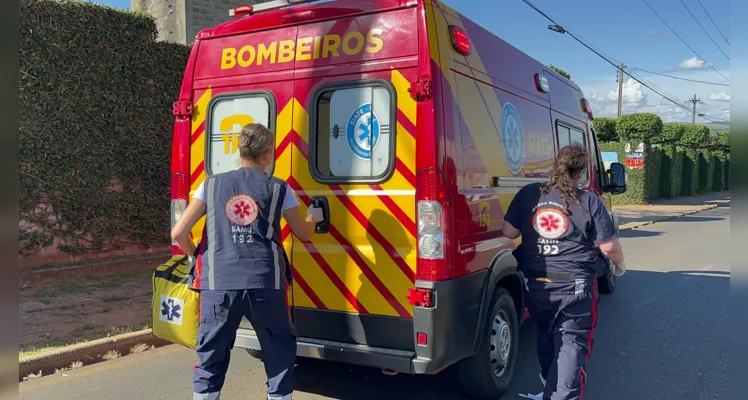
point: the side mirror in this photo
(616, 179)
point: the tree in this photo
(605, 129)
(560, 71)
(640, 127)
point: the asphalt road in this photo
(661, 336)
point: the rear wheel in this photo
(488, 374)
(255, 353)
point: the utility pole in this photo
(620, 89)
(694, 101)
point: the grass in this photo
(82, 334)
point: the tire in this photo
(482, 375)
(255, 353)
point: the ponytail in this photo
(569, 163)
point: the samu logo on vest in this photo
(363, 132)
(512, 138)
(550, 223)
(242, 210)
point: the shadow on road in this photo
(643, 331)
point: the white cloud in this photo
(694, 63)
(722, 96)
(603, 95)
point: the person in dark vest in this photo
(240, 267)
(567, 238)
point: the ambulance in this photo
(413, 128)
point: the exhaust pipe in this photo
(389, 372)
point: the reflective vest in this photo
(241, 247)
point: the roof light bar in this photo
(266, 6)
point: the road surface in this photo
(660, 336)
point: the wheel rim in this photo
(501, 343)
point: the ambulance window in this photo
(568, 135)
(353, 135)
(227, 116)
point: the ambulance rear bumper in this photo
(396, 360)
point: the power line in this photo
(714, 23)
(683, 41)
(702, 28)
(612, 61)
(683, 79)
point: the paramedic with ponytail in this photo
(240, 268)
(565, 234)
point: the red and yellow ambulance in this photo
(414, 127)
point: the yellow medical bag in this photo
(176, 307)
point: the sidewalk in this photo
(661, 210)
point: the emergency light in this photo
(244, 10)
(460, 40)
(586, 108)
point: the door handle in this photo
(322, 203)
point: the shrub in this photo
(605, 129)
(643, 183)
(95, 93)
(671, 133)
(671, 174)
(642, 127)
(718, 182)
(690, 182)
(706, 172)
(694, 137)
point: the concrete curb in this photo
(634, 225)
(88, 353)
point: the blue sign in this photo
(512, 138)
(363, 132)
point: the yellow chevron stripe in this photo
(405, 102)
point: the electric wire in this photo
(702, 28)
(713, 23)
(615, 63)
(678, 77)
(683, 41)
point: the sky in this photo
(625, 30)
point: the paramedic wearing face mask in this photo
(240, 267)
(565, 233)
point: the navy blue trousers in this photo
(565, 314)
(221, 313)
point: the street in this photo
(660, 336)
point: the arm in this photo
(302, 227)
(606, 235)
(513, 217)
(613, 251)
(181, 231)
(509, 230)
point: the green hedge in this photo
(639, 127)
(706, 172)
(671, 172)
(690, 182)
(718, 182)
(727, 174)
(605, 129)
(643, 183)
(95, 126)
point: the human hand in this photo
(314, 214)
(620, 269)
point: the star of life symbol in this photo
(512, 138)
(363, 132)
(550, 223)
(241, 210)
(172, 310)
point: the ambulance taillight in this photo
(432, 223)
(180, 190)
(587, 109)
